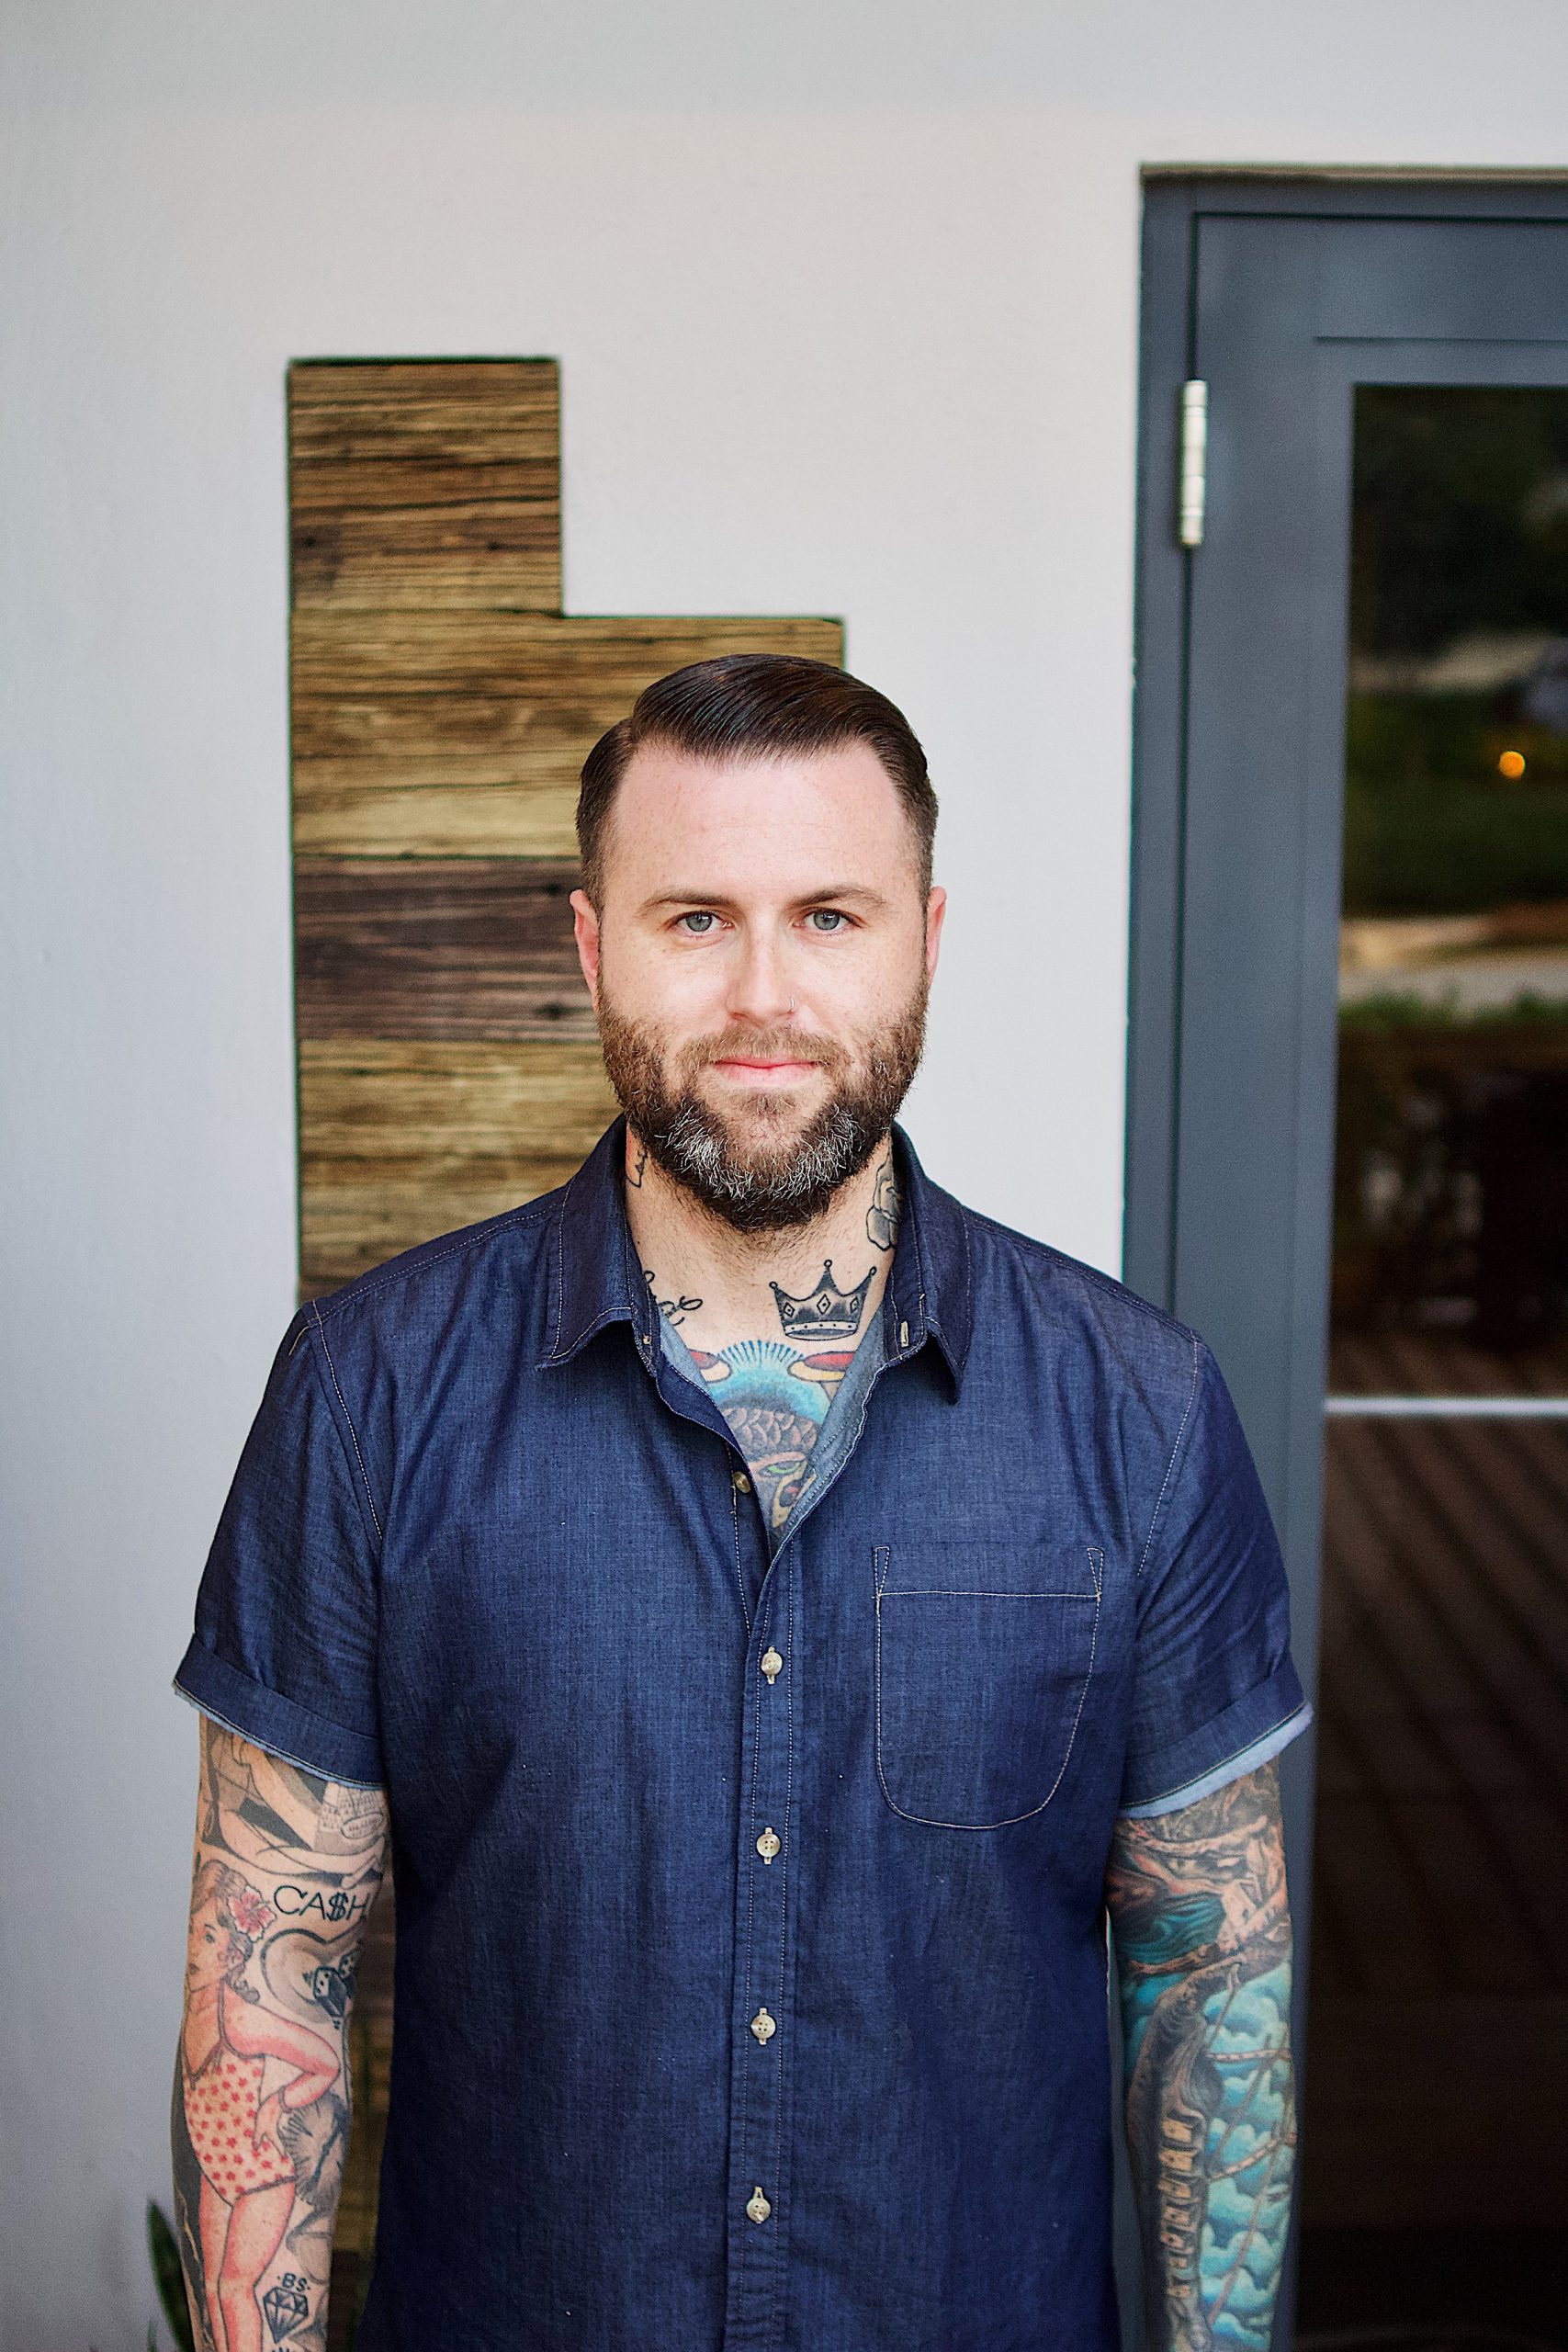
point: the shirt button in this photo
(768, 1844)
(757, 2206)
(770, 1664)
(764, 2025)
(903, 1335)
(740, 1481)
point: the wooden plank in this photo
(399, 1142)
(463, 735)
(475, 555)
(368, 1098)
(437, 948)
(425, 485)
(544, 656)
(480, 817)
(353, 1217)
(433, 411)
(332, 484)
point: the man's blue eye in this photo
(698, 922)
(825, 919)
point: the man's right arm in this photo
(287, 1867)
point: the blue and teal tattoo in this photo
(775, 1398)
(1203, 1926)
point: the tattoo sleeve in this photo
(287, 1867)
(1203, 1926)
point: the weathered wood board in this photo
(420, 487)
(441, 707)
(445, 734)
(432, 947)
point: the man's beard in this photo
(756, 1168)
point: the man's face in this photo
(760, 965)
(207, 1949)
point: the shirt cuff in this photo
(1262, 1751)
(268, 1719)
(1221, 1750)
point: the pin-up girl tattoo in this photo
(239, 2138)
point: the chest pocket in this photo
(983, 1660)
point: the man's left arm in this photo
(1201, 1917)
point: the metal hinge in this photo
(1194, 474)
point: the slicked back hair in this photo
(754, 706)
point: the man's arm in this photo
(287, 1867)
(1202, 1924)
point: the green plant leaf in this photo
(168, 2276)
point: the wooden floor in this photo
(1438, 2070)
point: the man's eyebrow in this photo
(841, 894)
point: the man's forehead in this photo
(798, 809)
(848, 779)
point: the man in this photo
(770, 1613)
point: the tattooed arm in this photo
(287, 1867)
(1198, 1902)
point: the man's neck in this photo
(812, 1287)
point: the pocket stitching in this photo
(977, 1592)
(882, 1555)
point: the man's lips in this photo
(752, 1066)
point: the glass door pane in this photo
(1438, 2090)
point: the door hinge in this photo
(1194, 474)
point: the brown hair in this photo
(754, 706)
(218, 1884)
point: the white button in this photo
(903, 1335)
(768, 1844)
(764, 2025)
(757, 2206)
(770, 1664)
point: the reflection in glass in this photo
(1450, 1234)
(1438, 2084)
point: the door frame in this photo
(1176, 199)
(1176, 196)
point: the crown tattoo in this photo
(826, 1312)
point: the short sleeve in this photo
(286, 1617)
(1214, 1690)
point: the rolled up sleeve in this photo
(285, 1646)
(1214, 1690)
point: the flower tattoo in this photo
(250, 1913)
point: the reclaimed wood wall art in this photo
(442, 706)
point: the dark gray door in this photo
(1387, 397)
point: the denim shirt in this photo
(751, 1956)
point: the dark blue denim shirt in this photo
(488, 1547)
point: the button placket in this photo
(760, 2073)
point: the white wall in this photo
(845, 296)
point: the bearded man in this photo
(772, 1614)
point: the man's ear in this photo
(585, 922)
(936, 908)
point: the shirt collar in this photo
(595, 1278)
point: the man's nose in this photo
(762, 995)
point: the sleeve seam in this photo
(1175, 1457)
(348, 1424)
